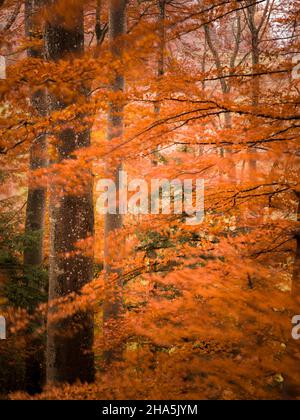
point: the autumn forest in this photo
(149, 199)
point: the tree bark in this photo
(35, 215)
(114, 289)
(255, 58)
(255, 54)
(161, 49)
(70, 340)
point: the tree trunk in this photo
(255, 57)
(70, 340)
(114, 289)
(35, 215)
(255, 62)
(160, 64)
(161, 49)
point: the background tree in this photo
(36, 204)
(113, 222)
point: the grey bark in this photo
(69, 341)
(161, 49)
(33, 255)
(255, 29)
(160, 61)
(113, 304)
(255, 54)
(35, 214)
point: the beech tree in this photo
(70, 341)
(36, 202)
(113, 222)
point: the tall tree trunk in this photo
(225, 85)
(255, 56)
(255, 62)
(70, 340)
(161, 49)
(114, 289)
(255, 79)
(160, 62)
(35, 214)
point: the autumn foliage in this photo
(161, 309)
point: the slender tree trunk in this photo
(255, 79)
(255, 62)
(255, 57)
(225, 86)
(161, 49)
(69, 341)
(114, 289)
(160, 62)
(100, 30)
(35, 214)
(254, 29)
